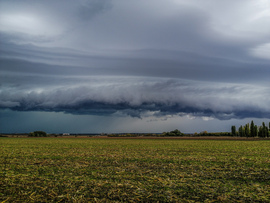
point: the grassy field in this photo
(133, 170)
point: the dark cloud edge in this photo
(140, 111)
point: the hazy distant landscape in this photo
(249, 130)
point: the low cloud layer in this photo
(137, 96)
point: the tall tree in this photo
(255, 131)
(260, 133)
(233, 129)
(268, 131)
(241, 131)
(247, 130)
(263, 130)
(252, 129)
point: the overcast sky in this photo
(133, 65)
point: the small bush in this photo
(38, 134)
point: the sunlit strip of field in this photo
(132, 170)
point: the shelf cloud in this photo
(136, 95)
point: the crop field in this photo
(133, 170)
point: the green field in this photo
(133, 170)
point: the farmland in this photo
(132, 170)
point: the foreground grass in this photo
(132, 170)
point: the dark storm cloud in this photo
(135, 97)
(107, 57)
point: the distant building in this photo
(66, 134)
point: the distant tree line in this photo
(205, 133)
(123, 135)
(251, 130)
(173, 133)
(38, 134)
(248, 130)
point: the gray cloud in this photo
(136, 58)
(89, 8)
(133, 96)
(152, 63)
(39, 23)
